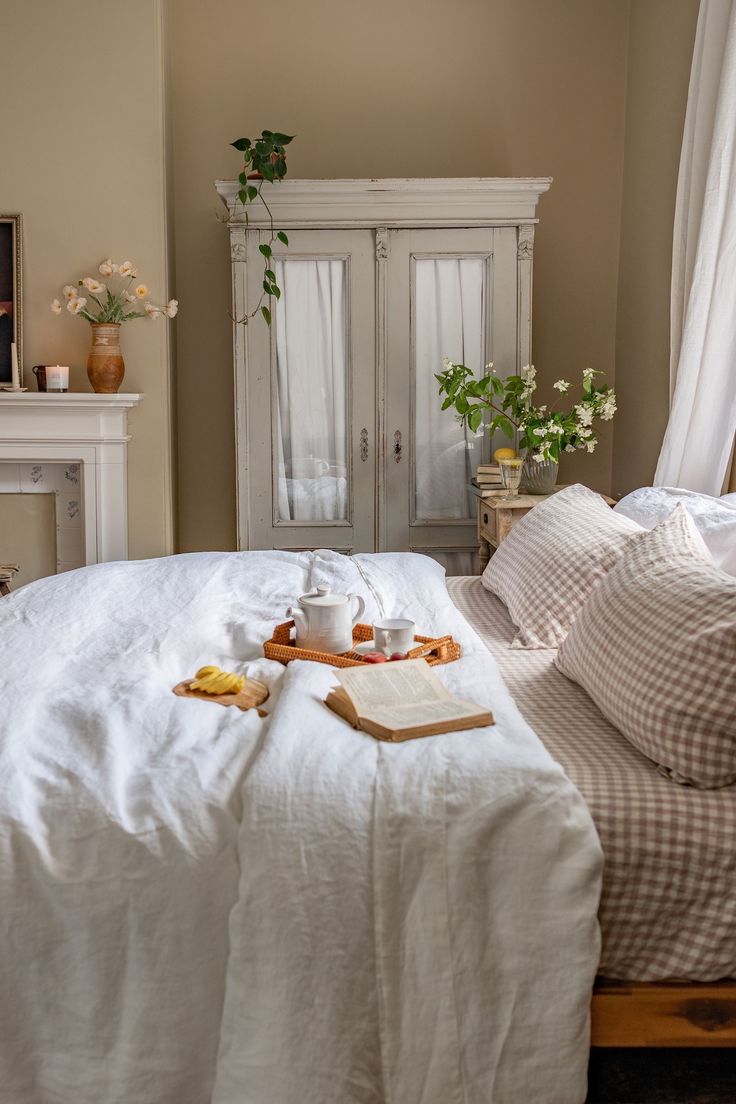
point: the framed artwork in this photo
(11, 287)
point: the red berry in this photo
(398, 655)
(375, 657)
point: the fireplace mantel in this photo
(88, 429)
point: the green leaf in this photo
(462, 405)
(243, 196)
(282, 237)
(447, 403)
(252, 192)
(280, 168)
(266, 314)
(475, 417)
(242, 178)
(241, 144)
(265, 250)
(268, 172)
(505, 425)
(267, 287)
(267, 134)
(282, 139)
(276, 290)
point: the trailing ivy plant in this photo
(264, 158)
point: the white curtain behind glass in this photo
(697, 446)
(449, 321)
(311, 406)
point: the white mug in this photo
(394, 635)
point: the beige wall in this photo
(83, 161)
(661, 37)
(409, 88)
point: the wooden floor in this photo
(662, 1076)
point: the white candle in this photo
(57, 378)
(14, 361)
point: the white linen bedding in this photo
(406, 923)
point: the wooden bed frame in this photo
(663, 1014)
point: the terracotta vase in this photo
(105, 364)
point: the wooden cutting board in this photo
(253, 694)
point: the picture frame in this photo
(11, 295)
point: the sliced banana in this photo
(212, 680)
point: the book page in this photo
(424, 713)
(408, 682)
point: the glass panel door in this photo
(451, 293)
(311, 392)
(311, 395)
(448, 311)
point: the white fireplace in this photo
(73, 446)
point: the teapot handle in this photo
(361, 607)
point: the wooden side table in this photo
(7, 571)
(497, 516)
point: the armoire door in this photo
(310, 394)
(450, 293)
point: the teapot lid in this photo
(323, 597)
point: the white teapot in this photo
(324, 623)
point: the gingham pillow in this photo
(655, 648)
(553, 557)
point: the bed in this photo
(198, 904)
(668, 903)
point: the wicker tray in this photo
(281, 647)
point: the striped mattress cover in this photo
(668, 908)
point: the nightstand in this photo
(497, 517)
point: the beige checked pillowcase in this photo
(655, 648)
(553, 557)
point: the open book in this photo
(400, 701)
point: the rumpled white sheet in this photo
(715, 518)
(412, 923)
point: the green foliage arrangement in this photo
(264, 158)
(543, 432)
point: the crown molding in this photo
(472, 201)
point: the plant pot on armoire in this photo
(106, 305)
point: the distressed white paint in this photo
(386, 208)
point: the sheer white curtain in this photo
(449, 321)
(311, 394)
(697, 445)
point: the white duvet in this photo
(197, 904)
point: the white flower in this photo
(141, 291)
(539, 457)
(69, 291)
(171, 308)
(105, 268)
(127, 268)
(584, 413)
(569, 448)
(93, 285)
(590, 445)
(562, 386)
(528, 373)
(543, 408)
(128, 297)
(151, 311)
(56, 306)
(552, 427)
(74, 306)
(539, 431)
(490, 368)
(608, 407)
(588, 374)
